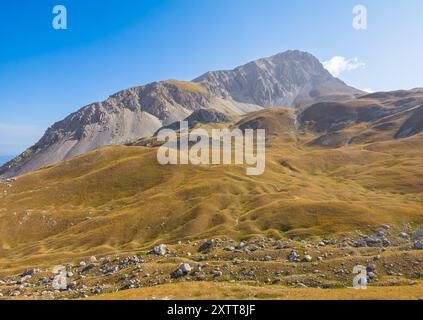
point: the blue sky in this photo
(110, 45)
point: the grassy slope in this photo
(119, 198)
(241, 291)
(186, 86)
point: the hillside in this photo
(120, 197)
(117, 202)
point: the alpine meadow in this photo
(272, 180)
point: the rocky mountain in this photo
(124, 116)
(291, 79)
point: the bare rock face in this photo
(289, 79)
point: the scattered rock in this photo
(381, 233)
(418, 245)
(183, 270)
(252, 248)
(371, 267)
(29, 272)
(404, 235)
(308, 258)
(24, 279)
(14, 293)
(96, 290)
(160, 250)
(217, 273)
(371, 275)
(373, 242)
(88, 268)
(134, 259)
(293, 256)
(418, 235)
(207, 246)
(361, 243)
(200, 278)
(279, 245)
(386, 242)
(240, 245)
(248, 274)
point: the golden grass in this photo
(186, 86)
(241, 291)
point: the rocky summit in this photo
(290, 79)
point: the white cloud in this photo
(338, 65)
(368, 90)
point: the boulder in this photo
(308, 258)
(280, 245)
(403, 235)
(206, 246)
(160, 250)
(373, 242)
(183, 270)
(418, 235)
(293, 256)
(418, 245)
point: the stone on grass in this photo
(308, 258)
(206, 246)
(160, 250)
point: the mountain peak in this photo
(288, 79)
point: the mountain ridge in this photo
(290, 79)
